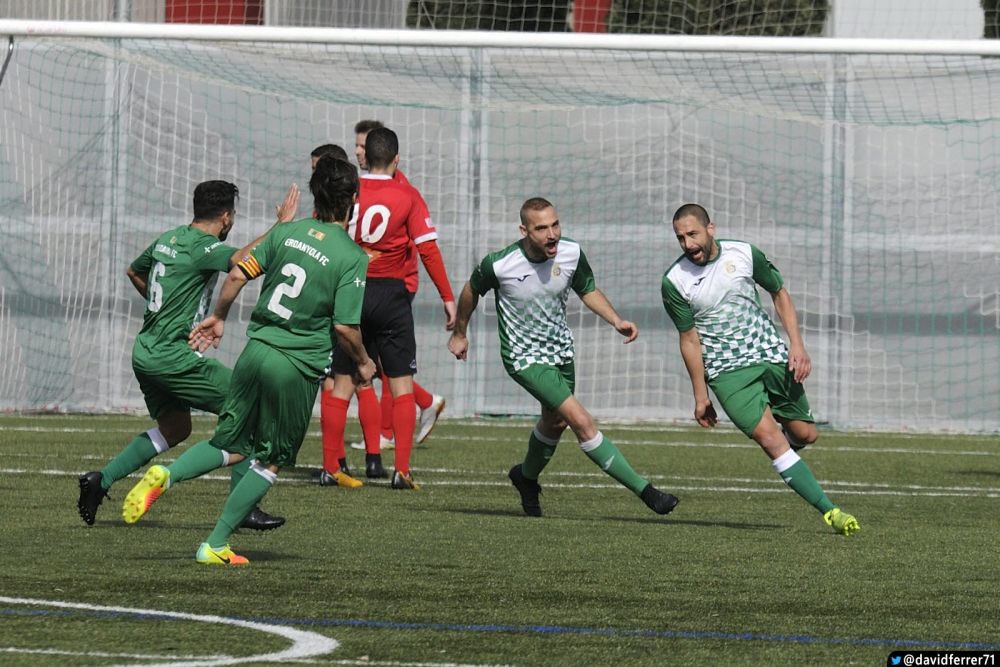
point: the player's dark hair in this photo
(366, 126)
(213, 198)
(333, 185)
(381, 147)
(533, 204)
(332, 150)
(695, 210)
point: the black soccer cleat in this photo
(343, 467)
(658, 501)
(258, 519)
(91, 496)
(403, 482)
(529, 490)
(374, 468)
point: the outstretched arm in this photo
(798, 359)
(285, 212)
(458, 344)
(704, 411)
(600, 305)
(210, 330)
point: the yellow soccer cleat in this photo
(339, 478)
(224, 556)
(145, 493)
(842, 522)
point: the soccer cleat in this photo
(428, 418)
(91, 496)
(339, 478)
(145, 493)
(224, 556)
(374, 468)
(384, 444)
(658, 501)
(529, 490)
(343, 466)
(401, 481)
(258, 519)
(842, 522)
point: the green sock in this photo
(199, 459)
(797, 475)
(241, 500)
(136, 454)
(540, 450)
(604, 453)
(237, 473)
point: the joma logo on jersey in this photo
(316, 234)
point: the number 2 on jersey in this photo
(290, 290)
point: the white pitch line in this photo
(305, 644)
(488, 478)
(101, 654)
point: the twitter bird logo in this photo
(895, 660)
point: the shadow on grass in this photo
(614, 519)
(979, 473)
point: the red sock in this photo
(386, 409)
(423, 397)
(404, 418)
(333, 421)
(370, 416)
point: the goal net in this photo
(869, 179)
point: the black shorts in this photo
(386, 329)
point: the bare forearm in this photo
(695, 364)
(467, 302)
(139, 283)
(599, 304)
(349, 340)
(235, 281)
(785, 309)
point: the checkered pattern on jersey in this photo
(739, 334)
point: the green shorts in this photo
(550, 385)
(267, 413)
(203, 385)
(746, 392)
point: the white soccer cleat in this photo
(429, 417)
(384, 443)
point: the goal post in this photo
(865, 169)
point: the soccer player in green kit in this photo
(730, 344)
(314, 284)
(176, 275)
(532, 279)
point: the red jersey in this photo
(390, 216)
(412, 275)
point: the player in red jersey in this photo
(392, 219)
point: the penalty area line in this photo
(305, 644)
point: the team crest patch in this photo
(173, 240)
(316, 234)
(556, 270)
(730, 267)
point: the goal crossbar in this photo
(498, 40)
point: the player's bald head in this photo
(696, 211)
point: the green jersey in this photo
(315, 278)
(720, 299)
(181, 267)
(531, 301)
